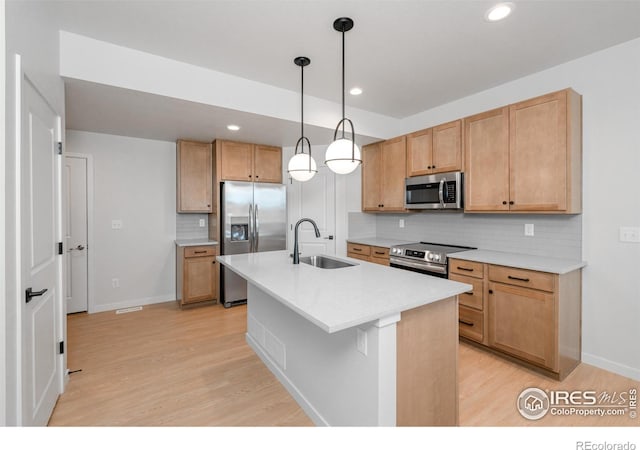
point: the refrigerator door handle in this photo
(256, 229)
(251, 225)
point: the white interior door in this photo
(39, 212)
(76, 234)
(315, 199)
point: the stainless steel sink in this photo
(325, 262)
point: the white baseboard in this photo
(611, 366)
(132, 302)
(308, 408)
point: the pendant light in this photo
(302, 166)
(343, 155)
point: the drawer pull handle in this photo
(526, 280)
(200, 251)
(379, 253)
(466, 269)
(357, 249)
(464, 322)
(469, 293)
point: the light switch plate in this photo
(401, 223)
(116, 224)
(528, 229)
(202, 222)
(629, 234)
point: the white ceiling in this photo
(408, 56)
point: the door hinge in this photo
(59, 148)
(60, 249)
(61, 347)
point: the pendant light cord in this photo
(343, 110)
(302, 102)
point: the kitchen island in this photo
(357, 346)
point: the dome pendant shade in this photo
(343, 155)
(302, 166)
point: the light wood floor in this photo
(163, 366)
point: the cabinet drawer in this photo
(204, 250)
(358, 256)
(468, 268)
(521, 277)
(474, 298)
(382, 261)
(470, 323)
(379, 252)
(364, 250)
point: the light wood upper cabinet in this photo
(447, 147)
(435, 150)
(371, 177)
(240, 161)
(419, 152)
(194, 177)
(383, 174)
(526, 157)
(487, 161)
(393, 173)
(267, 164)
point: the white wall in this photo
(609, 82)
(135, 182)
(3, 339)
(31, 31)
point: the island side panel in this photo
(427, 365)
(331, 380)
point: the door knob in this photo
(30, 293)
(80, 247)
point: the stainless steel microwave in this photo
(437, 191)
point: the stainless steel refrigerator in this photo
(253, 218)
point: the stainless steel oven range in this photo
(424, 257)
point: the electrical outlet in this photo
(629, 234)
(401, 223)
(116, 224)
(202, 222)
(361, 341)
(115, 283)
(528, 229)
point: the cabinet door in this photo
(199, 279)
(522, 322)
(194, 177)
(267, 164)
(236, 161)
(371, 177)
(419, 151)
(447, 147)
(487, 161)
(394, 170)
(538, 153)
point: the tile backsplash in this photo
(554, 236)
(188, 226)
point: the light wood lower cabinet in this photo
(197, 274)
(532, 316)
(371, 253)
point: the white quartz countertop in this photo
(337, 299)
(194, 242)
(521, 261)
(378, 242)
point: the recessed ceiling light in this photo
(355, 91)
(233, 127)
(499, 12)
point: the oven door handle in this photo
(427, 267)
(441, 192)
